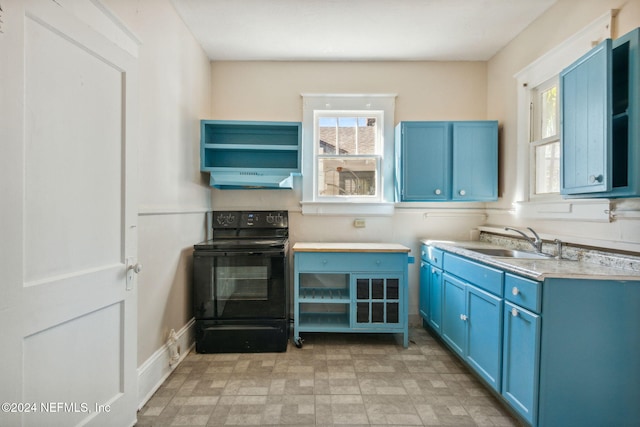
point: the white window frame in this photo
(381, 105)
(535, 139)
(377, 156)
(545, 68)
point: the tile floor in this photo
(334, 379)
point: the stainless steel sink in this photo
(509, 253)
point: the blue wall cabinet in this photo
(475, 161)
(343, 289)
(600, 121)
(440, 161)
(242, 154)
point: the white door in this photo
(68, 218)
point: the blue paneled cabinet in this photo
(600, 121)
(440, 161)
(431, 287)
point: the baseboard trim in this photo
(156, 369)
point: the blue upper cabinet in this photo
(475, 166)
(424, 153)
(241, 154)
(447, 161)
(600, 121)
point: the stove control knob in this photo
(270, 219)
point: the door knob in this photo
(132, 267)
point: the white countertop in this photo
(348, 247)
(537, 269)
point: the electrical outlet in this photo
(359, 223)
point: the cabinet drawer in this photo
(349, 262)
(523, 292)
(480, 275)
(432, 255)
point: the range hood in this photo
(227, 180)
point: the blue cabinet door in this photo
(475, 161)
(520, 361)
(484, 335)
(585, 117)
(424, 159)
(435, 299)
(423, 306)
(454, 315)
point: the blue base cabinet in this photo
(521, 345)
(590, 353)
(339, 290)
(559, 352)
(431, 287)
(446, 161)
(472, 316)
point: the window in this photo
(545, 139)
(347, 154)
(538, 161)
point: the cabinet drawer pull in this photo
(438, 191)
(514, 312)
(464, 317)
(462, 192)
(435, 259)
(595, 178)
(324, 261)
(378, 262)
(515, 291)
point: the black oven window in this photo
(241, 282)
(248, 286)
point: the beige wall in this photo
(426, 90)
(559, 23)
(173, 195)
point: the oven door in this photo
(234, 286)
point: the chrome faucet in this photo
(535, 242)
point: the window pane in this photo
(327, 140)
(548, 168)
(367, 135)
(347, 134)
(347, 177)
(548, 112)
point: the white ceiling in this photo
(357, 30)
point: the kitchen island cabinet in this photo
(570, 353)
(350, 287)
